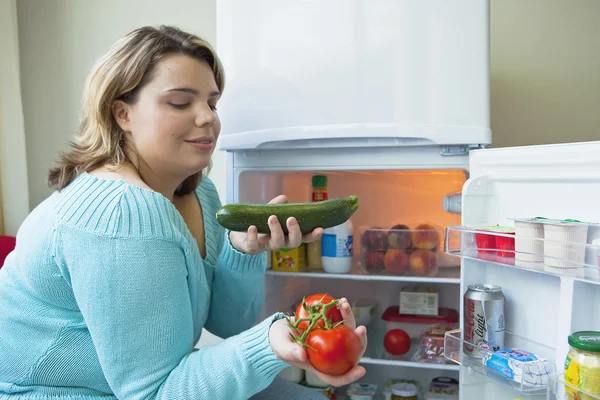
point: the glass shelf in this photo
(445, 275)
(376, 354)
(526, 378)
(560, 258)
(559, 390)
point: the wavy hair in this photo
(119, 75)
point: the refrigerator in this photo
(389, 99)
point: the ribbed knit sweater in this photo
(106, 295)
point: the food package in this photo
(523, 367)
(431, 344)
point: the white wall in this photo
(545, 70)
(59, 41)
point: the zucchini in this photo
(325, 214)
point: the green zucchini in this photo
(325, 214)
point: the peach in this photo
(396, 261)
(374, 239)
(423, 263)
(374, 260)
(425, 237)
(399, 237)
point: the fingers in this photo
(294, 234)
(353, 375)
(277, 237)
(312, 236)
(347, 315)
(361, 332)
(252, 244)
(279, 199)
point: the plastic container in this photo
(363, 310)
(400, 250)
(415, 324)
(529, 250)
(596, 243)
(314, 381)
(292, 374)
(488, 243)
(430, 347)
(442, 388)
(582, 366)
(361, 391)
(564, 244)
(337, 249)
(404, 391)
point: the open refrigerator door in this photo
(529, 228)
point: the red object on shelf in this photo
(503, 245)
(445, 316)
(7, 245)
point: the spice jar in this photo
(582, 365)
(404, 391)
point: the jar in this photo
(582, 365)
(404, 391)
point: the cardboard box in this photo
(419, 300)
(289, 260)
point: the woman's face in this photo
(173, 124)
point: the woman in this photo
(115, 275)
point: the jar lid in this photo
(404, 389)
(319, 181)
(585, 340)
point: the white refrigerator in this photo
(390, 100)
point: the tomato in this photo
(396, 342)
(333, 351)
(334, 313)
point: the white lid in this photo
(404, 389)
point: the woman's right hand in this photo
(294, 354)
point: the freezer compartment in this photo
(522, 364)
(575, 259)
(560, 390)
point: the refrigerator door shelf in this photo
(482, 245)
(358, 135)
(533, 377)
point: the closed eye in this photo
(179, 106)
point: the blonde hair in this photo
(119, 75)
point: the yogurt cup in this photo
(564, 244)
(526, 247)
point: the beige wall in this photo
(545, 62)
(59, 41)
(545, 68)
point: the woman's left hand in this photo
(252, 242)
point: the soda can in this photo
(483, 315)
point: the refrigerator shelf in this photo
(578, 260)
(530, 379)
(376, 354)
(559, 390)
(446, 275)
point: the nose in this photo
(205, 116)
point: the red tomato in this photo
(333, 351)
(334, 313)
(396, 342)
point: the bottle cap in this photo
(319, 181)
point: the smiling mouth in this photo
(200, 141)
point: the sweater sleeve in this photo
(134, 298)
(238, 290)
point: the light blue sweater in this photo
(106, 295)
